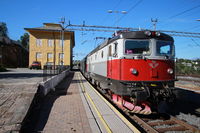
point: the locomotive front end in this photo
(136, 68)
(146, 68)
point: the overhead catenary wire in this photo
(134, 6)
(99, 28)
(194, 27)
(107, 29)
(197, 44)
(185, 11)
(178, 14)
(106, 18)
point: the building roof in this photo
(52, 27)
(49, 27)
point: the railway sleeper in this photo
(157, 123)
(174, 128)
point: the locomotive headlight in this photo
(134, 71)
(170, 71)
(157, 33)
(148, 33)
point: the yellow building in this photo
(46, 46)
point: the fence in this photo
(51, 70)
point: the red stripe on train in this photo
(148, 70)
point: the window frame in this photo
(60, 43)
(38, 42)
(171, 48)
(61, 57)
(38, 55)
(50, 42)
(49, 54)
(150, 47)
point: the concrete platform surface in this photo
(102, 117)
(62, 111)
(17, 89)
(69, 110)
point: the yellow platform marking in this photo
(94, 106)
(131, 126)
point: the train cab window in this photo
(110, 50)
(137, 47)
(164, 48)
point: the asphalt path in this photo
(21, 75)
(17, 90)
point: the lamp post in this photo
(111, 11)
(117, 12)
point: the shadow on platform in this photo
(39, 114)
(20, 75)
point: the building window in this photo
(61, 55)
(49, 63)
(38, 55)
(102, 54)
(50, 42)
(39, 42)
(49, 55)
(61, 43)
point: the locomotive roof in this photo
(143, 35)
(133, 35)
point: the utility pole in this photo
(154, 21)
(62, 38)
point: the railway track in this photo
(160, 123)
(154, 123)
(157, 123)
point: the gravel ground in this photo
(186, 107)
(191, 119)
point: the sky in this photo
(178, 15)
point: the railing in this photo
(51, 70)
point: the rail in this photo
(161, 125)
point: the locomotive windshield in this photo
(137, 47)
(164, 48)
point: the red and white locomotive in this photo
(135, 67)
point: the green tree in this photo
(24, 40)
(3, 30)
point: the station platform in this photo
(79, 108)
